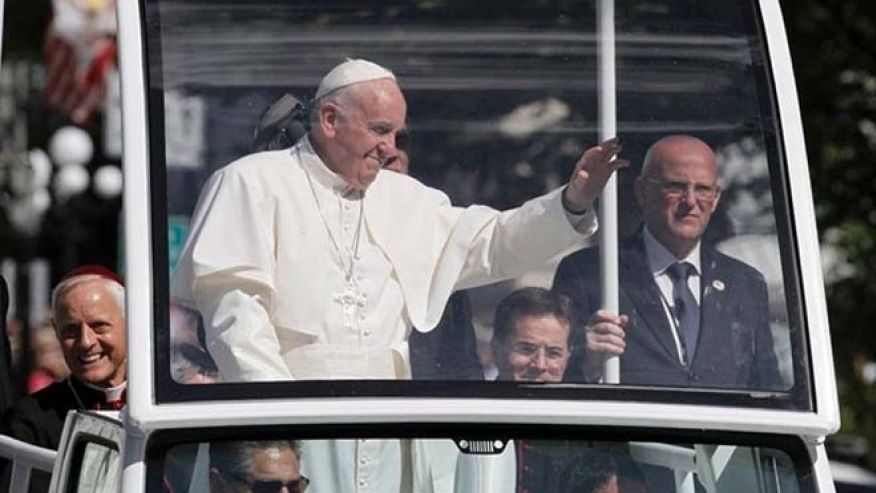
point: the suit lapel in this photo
(644, 295)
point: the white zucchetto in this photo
(353, 71)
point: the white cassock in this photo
(299, 277)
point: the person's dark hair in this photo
(532, 302)
(234, 458)
(586, 473)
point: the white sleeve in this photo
(515, 241)
(239, 334)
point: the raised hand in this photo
(591, 173)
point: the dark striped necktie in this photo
(686, 310)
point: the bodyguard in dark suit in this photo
(690, 316)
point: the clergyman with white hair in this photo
(312, 263)
(88, 314)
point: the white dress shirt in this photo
(659, 260)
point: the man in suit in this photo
(690, 315)
(531, 336)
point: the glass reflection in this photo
(448, 466)
(498, 113)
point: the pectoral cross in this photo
(349, 298)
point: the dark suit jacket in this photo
(735, 348)
(448, 352)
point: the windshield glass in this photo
(329, 227)
(469, 465)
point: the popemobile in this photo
(506, 379)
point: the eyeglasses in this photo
(275, 485)
(677, 189)
(529, 350)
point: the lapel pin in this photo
(718, 284)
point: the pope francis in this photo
(312, 263)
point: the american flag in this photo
(80, 51)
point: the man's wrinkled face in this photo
(678, 196)
(91, 327)
(538, 351)
(364, 132)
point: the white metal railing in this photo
(25, 457)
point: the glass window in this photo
(482, 464)
(290, 272)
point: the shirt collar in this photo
(112, 393)
(318, 170)
(659, 258)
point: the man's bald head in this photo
(678, 192)
(675, 148)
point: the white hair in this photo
(116, 290)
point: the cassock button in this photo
(367, 333)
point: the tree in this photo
(835, 65)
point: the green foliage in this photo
(835, 65)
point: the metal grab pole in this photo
(608, 238)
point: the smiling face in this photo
(91, 327)
(357, 130)
(537, 351)
(678, 191)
